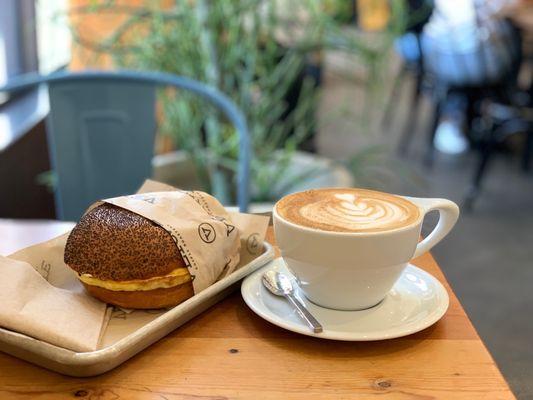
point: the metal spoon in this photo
(281, 285)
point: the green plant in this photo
(252, 50)
(341, 10)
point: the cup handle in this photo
(448, 214)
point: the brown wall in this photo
(96, 27)
(20, 163)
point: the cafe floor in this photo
(488, 258)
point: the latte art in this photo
(348, 210)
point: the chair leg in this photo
(390, 107)
(475, 188)
(429, 157)
(528, 149)
(409, 129)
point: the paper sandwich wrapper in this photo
(42, 297)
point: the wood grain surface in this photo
(230, 353)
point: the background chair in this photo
(500, 120)
(101, 131)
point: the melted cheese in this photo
(174, 278)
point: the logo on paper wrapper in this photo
(207, 232)
(44, 269)
(229, 228)
(252, 243)
(118, 313)
(148, 199)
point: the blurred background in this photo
(417, 97)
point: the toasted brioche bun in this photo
(143, 299)
(112, 244)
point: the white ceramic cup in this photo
(356, 270)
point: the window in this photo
(34, 36)
(53, 35)
(17, 40)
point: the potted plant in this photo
(255, 52)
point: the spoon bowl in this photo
(281, 285)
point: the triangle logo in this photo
(229, 228)
(207, 233)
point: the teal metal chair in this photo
(101, 130)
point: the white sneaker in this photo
(449, 138)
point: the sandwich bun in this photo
(127, 260)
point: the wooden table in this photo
(229, 352)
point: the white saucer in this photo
(416, 301)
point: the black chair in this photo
(498, 121)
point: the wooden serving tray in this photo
(152, 327)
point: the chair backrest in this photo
(101, 140)
(101, 133)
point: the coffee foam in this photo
(348, 210)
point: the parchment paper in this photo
(42, 297)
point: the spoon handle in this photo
(304, 313)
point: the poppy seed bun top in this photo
(111, 243)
